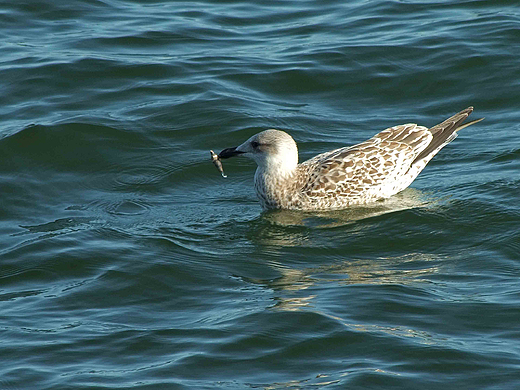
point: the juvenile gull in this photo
(375, 169)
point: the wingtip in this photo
(469, 124)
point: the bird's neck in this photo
(279, 165)
(274, 179)
(274, 185)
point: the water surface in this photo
(127, 261)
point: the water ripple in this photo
(127, 261)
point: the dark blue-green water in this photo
(127, 262)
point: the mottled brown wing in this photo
(353, 171)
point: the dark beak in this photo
(229, 152)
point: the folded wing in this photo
(381, 166)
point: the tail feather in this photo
(445, 132)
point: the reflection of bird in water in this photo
(375, 169)
(294, 287)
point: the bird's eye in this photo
(254, 144)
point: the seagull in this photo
(373, 170)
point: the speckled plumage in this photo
(375, 169)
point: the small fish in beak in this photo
(216, 161)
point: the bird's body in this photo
(375, 169)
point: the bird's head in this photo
(273, 150)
